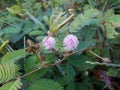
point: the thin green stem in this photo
(96, 55)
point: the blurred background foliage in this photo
(97, 25)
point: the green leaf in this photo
(86, 44)
(85, 85)
(112, 72)
(111, 23)
(11, 29)
(45, 84)
(105, 52)
(111, 33)
(16, 37)
(70, 86)
(85, 19)
(80, 62)
(36, 21)
(49, 58)
(92, 3)
(1, 32)
(13, 56)
(15, 9)
(36, 32)
(12, 85)
(86, 33)
(31, 64)
(70, 73)
(40, 38)
(28, 26)
(8, 71)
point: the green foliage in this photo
(70, 72)
(36, 33)
(80, 62)
(85, 85)
(11, 30)
(8, 71)
(85, 19)
(14, 9)
(111, 23)
(70, 86)
(13, 56)
(112, 72)
(25, 23)
(45, 84)
(12, 85)
(30, 64)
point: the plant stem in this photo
(104, 33)
(43, 66)
(56, 20)
(64, 22)
(56, 63)
(95, 54)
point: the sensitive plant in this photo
(59, 45)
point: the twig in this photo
(56, 63)
(43, 66)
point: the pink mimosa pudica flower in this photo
(49, 42)
(70, 42)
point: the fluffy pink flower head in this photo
(49, 43)
(70, 42)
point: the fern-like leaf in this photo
(13, 85)
(13, 56)
(85, 19)
(7, 72)
(45, 84)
